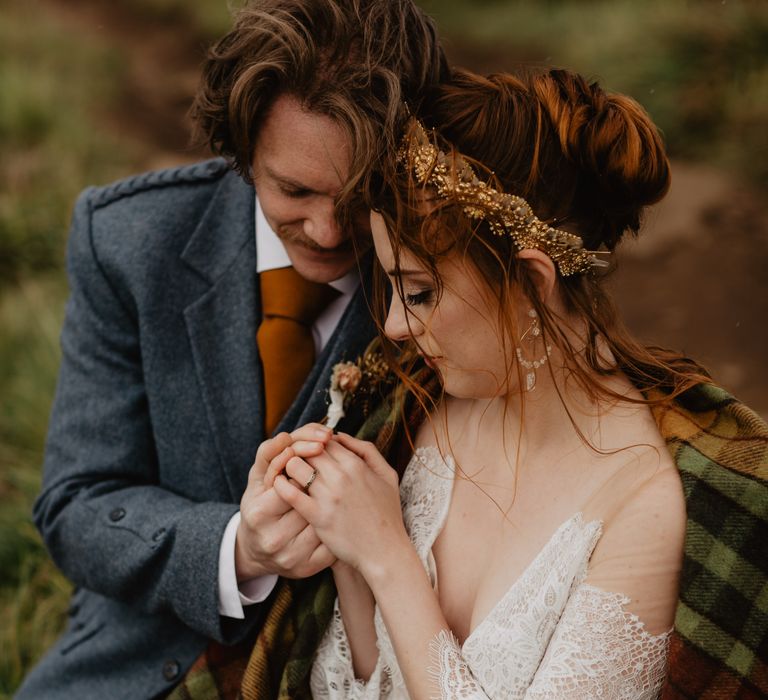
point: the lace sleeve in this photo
(599, 649)
(450, 671)
(333, 676)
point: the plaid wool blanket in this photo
(719, 647)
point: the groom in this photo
(187, 342)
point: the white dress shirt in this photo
(271, 255)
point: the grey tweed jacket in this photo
(156, 420)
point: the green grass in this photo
(33, 594)
(210, 18)
(55, 89)
(700, 68)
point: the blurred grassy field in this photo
(698, 66)
(67, 120)
(53, 89)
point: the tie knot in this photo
(285, 293)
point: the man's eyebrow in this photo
(287, 181)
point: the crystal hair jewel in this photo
(505, 213)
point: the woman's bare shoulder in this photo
(640, 552)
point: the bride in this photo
(533, 547)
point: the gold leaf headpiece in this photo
(506, 214)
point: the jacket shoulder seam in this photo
(197, 173)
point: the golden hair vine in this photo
(506, 214)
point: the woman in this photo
(539, 547)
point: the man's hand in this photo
(354, 502)
(272, 538)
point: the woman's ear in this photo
(542, 272)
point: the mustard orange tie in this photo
(289, 304)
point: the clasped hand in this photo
(272, 537)
(351, 511)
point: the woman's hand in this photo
(353, 501)
(307, 441)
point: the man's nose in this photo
(323, 227)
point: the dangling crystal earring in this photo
(534, 331)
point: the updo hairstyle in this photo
(587, 161)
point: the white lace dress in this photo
(550, 636)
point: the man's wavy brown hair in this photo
(356, 61)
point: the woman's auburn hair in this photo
(356, 61)
(585, 160)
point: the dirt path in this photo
(695, 280)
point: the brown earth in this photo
(695, 280)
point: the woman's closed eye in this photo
(418, 298)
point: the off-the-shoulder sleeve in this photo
(451, 672)
(599, 649)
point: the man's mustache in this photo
(351, 242)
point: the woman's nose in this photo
(400, 325)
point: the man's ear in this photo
(542, 271)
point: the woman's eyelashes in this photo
(418, 298)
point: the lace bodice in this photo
(550, 636)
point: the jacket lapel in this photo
(221, 325)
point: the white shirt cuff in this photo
(232, 599)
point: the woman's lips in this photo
(431, 361)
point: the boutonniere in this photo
(359, 381)
(345, 379)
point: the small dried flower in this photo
(345, 379)
(346, 376)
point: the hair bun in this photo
(611, 139)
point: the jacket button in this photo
(117, 514)
(171, 670)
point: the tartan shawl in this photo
(719, 646)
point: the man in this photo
(164, 395)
